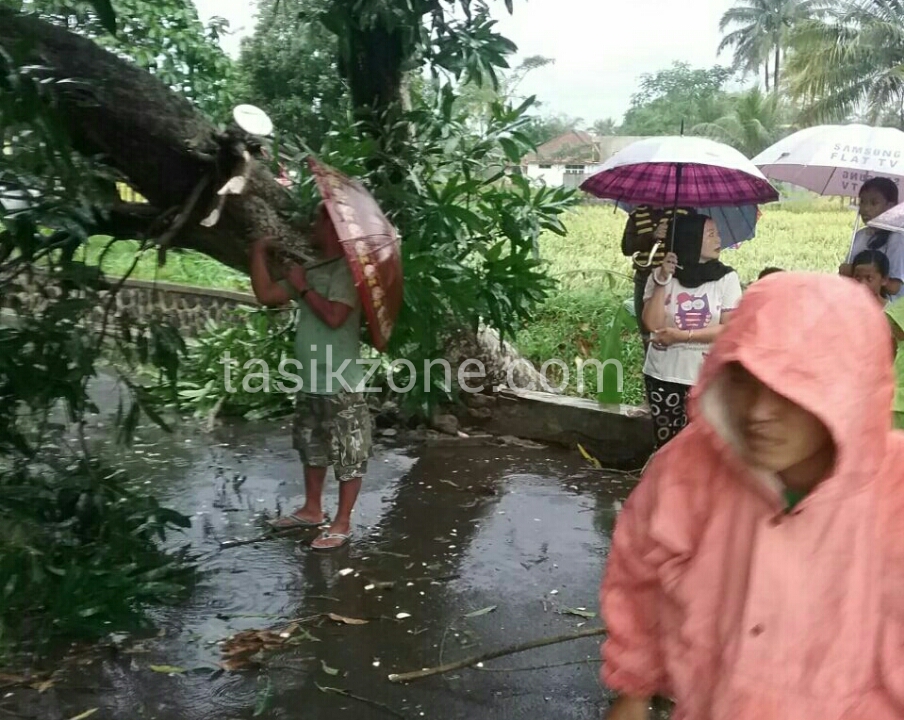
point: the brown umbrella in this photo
(371, 245)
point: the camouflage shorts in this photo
(333, 430)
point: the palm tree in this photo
(755, 121)
(762, 29)
(851, 61)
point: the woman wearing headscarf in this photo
(686, 302)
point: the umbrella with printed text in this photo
(835, 160)
(371, 246)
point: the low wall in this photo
(619, 436)
(188, 307)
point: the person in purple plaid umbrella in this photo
(687, 301)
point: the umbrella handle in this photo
(854, 234)
(678, 172)
(649, 263)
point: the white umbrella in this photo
(835, 159)
(891, 220)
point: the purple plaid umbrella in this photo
(681, 171)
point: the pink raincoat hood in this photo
(823, 342)
(717, 595)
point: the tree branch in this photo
(156, 139)
(468, 662)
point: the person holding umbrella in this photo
(643, 241)
(332, 424)
(687, 301)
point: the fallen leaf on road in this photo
(483, 611)
(43, 687)
(86, 714)
(246, 648)
(589, 458)
(264, 700)
(579, 612)
(328, 670)
(167, 669)
(346, 620)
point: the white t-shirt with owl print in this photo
(689, 309)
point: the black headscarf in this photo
(688, 246)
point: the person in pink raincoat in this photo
(757, 570)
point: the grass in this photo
(182, 267)
(594, 278)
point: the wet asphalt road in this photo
(455, 529)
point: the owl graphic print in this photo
(689, 309)
(692, 311)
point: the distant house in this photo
(570, 158)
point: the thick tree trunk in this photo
(158, 142)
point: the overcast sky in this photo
(600, 47)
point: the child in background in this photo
(895, 313)
(756, 571)
(876, 196)
(871, 270)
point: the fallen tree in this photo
(470, 226)
(160, 145)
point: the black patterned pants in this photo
(668, 408)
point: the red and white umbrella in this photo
(371, 246)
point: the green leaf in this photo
(327, 669)
(579, 613)
(611, 350)
(511, 149)
(167, 669)
(264, 699)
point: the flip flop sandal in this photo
(331, 536)
(290, 522)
